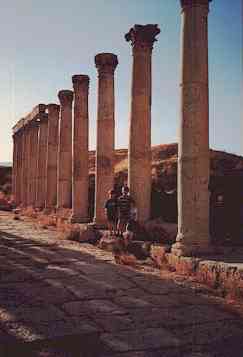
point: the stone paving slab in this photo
(60, 298)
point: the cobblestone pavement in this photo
(59, 298)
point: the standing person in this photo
(125, 204)
(111, 212)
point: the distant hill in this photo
(164, 165)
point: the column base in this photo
(48, 210)
(77, 219)
(191, 250)
(98, 224)
(189, 246)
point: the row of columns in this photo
(62, 157)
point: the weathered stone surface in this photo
(80, 183)
(139, 154)
(141, 339)
(52, 156)
(85, 300)
(64, 187)
(193, 149)
(106, 64)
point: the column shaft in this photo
(14, 167)
(104, 175)
(80, 181)
(193, 151)
(52, 154)
(28, 165)
(42, 159)
(24, 168)
(139, 153)
(33, 162)
(64, 190)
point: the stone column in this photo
(104, 176)
(42, 158)
(14, 168)
(52, 152)
(139, 153)
(24, 178)
(80, 182)
(19, 178)
(193, 151)
(28, 155)
(34, 127)
(64, 188)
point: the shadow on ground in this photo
(58, 300)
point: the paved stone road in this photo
(60, 298)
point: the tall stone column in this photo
(104, 176)
(139, 153)
(52, 155)
(19, 177)
(80, 182)
(14, 168)
(42, 158)
(193, 151)
(34, 127)
(64, 188)
(28, 155)
(24, 176)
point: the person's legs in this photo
(121, 226)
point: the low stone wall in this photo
(223, 273)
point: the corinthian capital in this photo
(142, 36)
(65, 97)
(191, 3)
(106, 62)
(80, 81)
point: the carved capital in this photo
(53, 108)
(191, 3)
(65, 96)
(142, 36)
(106, 63)
(80, 80)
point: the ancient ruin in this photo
(193, 158)
(139, 156)
(106, 64)
(80, 185)
(50, 157)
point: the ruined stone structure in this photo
(28, 173)
(41, 163)
(80, 178)
(193, 149)
(50, 156)
(139, 154)
(106, 64)
(64, 175)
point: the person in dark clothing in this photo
(111, 209)
(124, 203)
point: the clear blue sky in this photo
(43, 43)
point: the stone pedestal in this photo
(80, 183)
(104, 176)
(139, 153)
(41, 165)
(64, 186)
(193, 150)
(52, 155)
